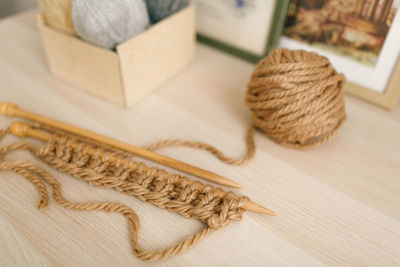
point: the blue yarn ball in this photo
(160, 9)
(107, 23)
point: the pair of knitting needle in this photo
(24, 130)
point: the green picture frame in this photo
(277, 25)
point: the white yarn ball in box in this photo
(108, 23)
(160, 9)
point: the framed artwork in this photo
(360, 37)
(245, 28)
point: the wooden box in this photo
(138, 66)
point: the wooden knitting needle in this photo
(25, 130)
(12, 110)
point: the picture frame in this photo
(220, 27)
(360, 37)
(388, 99)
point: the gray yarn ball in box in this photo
(160, 9)
(108, 23)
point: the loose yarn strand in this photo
(212, 149)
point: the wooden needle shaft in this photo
(12, 110)
(26, 130)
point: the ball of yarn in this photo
(296, 98)
(108, 23)
(160, 9)
(57, 14)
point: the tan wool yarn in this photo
(57, 14)
(296, 98)
(111, 169)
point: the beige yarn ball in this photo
(57, 14)
(296, 98)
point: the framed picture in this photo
(360, 37)
(245, 28)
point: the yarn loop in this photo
(296, 98)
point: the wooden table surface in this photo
(337, 205)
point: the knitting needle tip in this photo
(254, 207)
(227, 182)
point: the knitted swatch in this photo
(108, 169)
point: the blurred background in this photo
(9, 7)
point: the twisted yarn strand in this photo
(251, 148)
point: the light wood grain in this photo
(337, 205)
